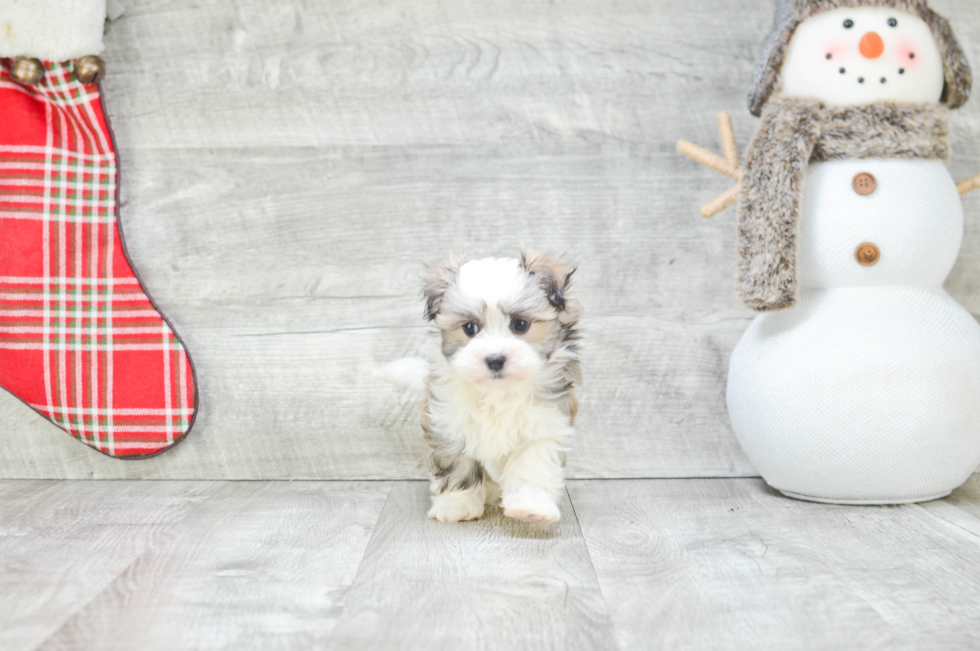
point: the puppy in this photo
(500, 396)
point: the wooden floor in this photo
(634, 564)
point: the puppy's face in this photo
(501, 319)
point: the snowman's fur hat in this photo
(790, 13)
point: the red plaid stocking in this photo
(80, 341)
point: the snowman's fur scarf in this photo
(488, 432)
(956, 67)
(794, 132)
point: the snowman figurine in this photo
(859, 381)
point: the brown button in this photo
(89, 70)
(867, 254)
(864, 184)
(27, 71)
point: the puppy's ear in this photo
(441, 278)
(554, 276)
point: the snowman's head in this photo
(853, 52)
(848, 57)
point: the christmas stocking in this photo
(80, 341)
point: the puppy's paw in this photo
(544, 512)
(455, 507)
(531, 506)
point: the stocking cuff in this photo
(52, 30)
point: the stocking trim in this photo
(52, 30)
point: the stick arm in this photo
(728, 165)
(968, 185)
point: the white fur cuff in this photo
(51, 30)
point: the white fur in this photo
(51, 30)
(517, 436)
(459, 506)
(530, 503)
(807, 72)
(491, 281)
(408, 372)
(506, 422)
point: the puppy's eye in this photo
(848, 23)
(892, 22)
(519, 325)
(471, 329)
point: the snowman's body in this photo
(868, 390)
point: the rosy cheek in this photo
(836, 50)
(908, 55)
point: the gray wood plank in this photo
(961, 510)
(63, 543)
(367, 72)
(728, 564)
(491, 584)
(257, 566)
(288, 168)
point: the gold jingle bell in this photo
(89, 70)
(27, 71)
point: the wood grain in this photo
(249, 566)
(672, 564)
(728, 564)
(288, 168)
(491, 584)
(63, 543)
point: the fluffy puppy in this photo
(500, 397)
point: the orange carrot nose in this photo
(872, 46)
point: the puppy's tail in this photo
(409, 372)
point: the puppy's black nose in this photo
(496, 362)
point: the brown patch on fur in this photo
(448, 463)
(441, 278)
(568, 400)
(570, 405)
(956, 68)
(542, 333)
(554, 276)
(794, 132)
(453, 340)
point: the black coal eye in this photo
(519, 325)
(848, 23)
(892, 22)
(471, 329)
